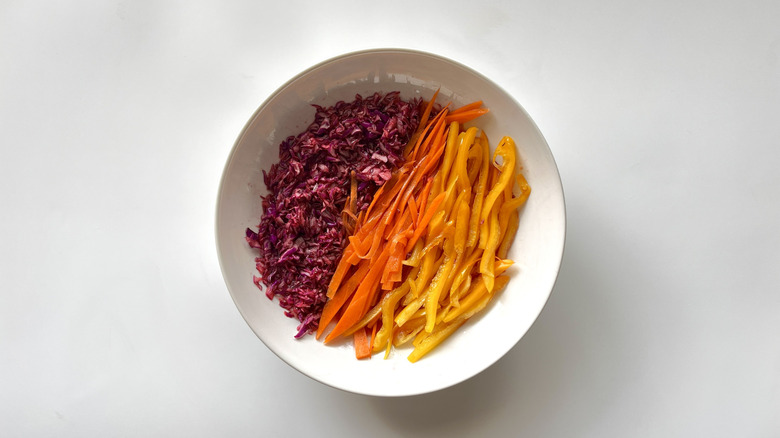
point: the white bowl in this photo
(537, 250)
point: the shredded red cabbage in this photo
(300, 237)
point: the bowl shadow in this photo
(576, 344)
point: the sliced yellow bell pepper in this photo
(505, 150)
(450, 151)
(475, 224)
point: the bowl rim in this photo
(373, 51)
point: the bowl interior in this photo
(537, 249)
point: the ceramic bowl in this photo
(537, 249)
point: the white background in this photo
(116, 119)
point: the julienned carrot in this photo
(373, 337)
(467, 107)
(417, 175)
(362, 344)
(396, 205)
(385, 194)
(341, 296)
(350, 206)
(341, 270)
(397, 244)
(425, 220)
(425, 192)
(431, 130)
(423, 122)
(361, 298)
(413, 209)
(466, 116)
(360, 249)
(427, 112)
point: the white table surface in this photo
(115, 122)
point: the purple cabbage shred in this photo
(300, 237)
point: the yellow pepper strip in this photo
(434, 227)
(420, 313)
(387, 350)
(434, 285)
(477, 227)
(461, 228)
(413, 288)
(460, 200)
(436, 288)
(450, 197)
(406, 332)
(430, 264)
(501, 281)
(503, 223)
(464, 274)
(459, 166)
(475, 160)
(416, 255)
(434, 339)
(421, 335)
(435, 243)
(470, 302)
(487, 263)
(422, 280)
(511, 149)
(409, 310)
(509, 234)
(450, 151)
(435, 189)
(476, 291)
(506, 150)
(462, 290)
(502, 265)
(424, 334)
(525, 192)
(462, 265)
(388, 308)
(448, 244)
(509, 218)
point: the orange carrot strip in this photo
(423, 142)
(413, 209)
(363, 296)
(416, 176)
(437, 128)
(395, 261)
(436, 154)
(400, 253)
(391, 193)
(360, 249)
(425, 220)
(428, 108)
(467, 107)
(341, 269)
(373, 336)
(377, 240)
(364, 227)
(423, 123)
(397, 199)
(418, 137)
(386, 192)
(353, 193)
(424, 195)
(397, 245)
(362, 344)
(341, 296)
(466, 116)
